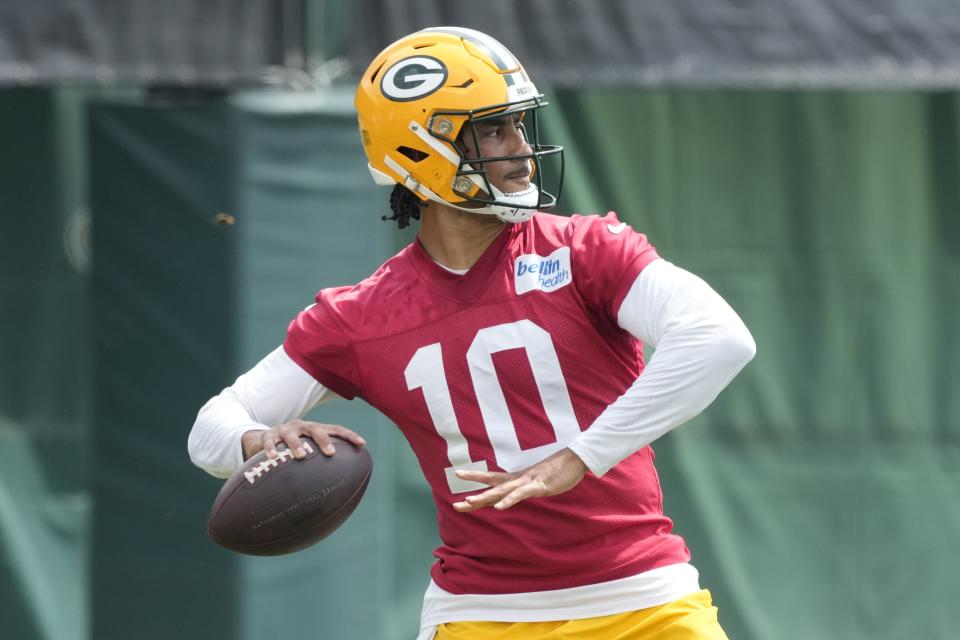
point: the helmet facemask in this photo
(472, 182)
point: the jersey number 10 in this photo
(425, 371)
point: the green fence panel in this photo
(44, 369)
(185, 305)
(818, 494)
(309, 217)
(165, 335)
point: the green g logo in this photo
(413, 78)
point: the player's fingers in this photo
(270, 443)
(346, 434)
(316, 432)
(322, 438)
(479, 501)
(291, 438)
(492, 478)
(524, 491)
(494, 495)
(475, 501)
(463, 506)
(486, 498)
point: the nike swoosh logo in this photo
(617, 229)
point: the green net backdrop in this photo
(818, 494)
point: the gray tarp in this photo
(180, 42)
(829, 43)
(694, 43)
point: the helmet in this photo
(424, 92)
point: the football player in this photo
(506, 344)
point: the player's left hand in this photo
(560, 472)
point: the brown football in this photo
(271, 507)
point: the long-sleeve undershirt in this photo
(699, 344)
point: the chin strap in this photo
(506, 213)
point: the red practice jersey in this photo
(497, 369)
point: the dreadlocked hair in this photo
(404, 205)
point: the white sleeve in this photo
(700, 345)
(275, 391)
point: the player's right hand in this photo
(258, 440)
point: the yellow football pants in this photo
(691, 618)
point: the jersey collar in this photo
(466, 288)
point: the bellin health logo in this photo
(545, 273)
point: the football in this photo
(271, 507)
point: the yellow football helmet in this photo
(422, 93)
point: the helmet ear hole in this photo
(414, 154)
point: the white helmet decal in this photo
(413, 78)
